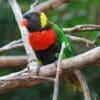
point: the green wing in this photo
(61, 37)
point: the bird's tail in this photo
(73, 81)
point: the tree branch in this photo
(56, 83)
(85, 41)
(12, 45)
(48, 5)
(84, 85)
(88, 59)
(83, 28)
(24, 32)
(13, 61)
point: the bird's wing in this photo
(61, 37)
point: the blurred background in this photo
(67, 15)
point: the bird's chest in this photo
(42, 40)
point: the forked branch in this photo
(87, 59)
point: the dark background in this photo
(77, 12)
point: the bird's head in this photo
(35, 21)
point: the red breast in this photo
(42, 40)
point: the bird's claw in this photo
(55, 64)
(38, 70)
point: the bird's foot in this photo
(55, 64)
(28, 68)
(29, 63)
(38, 70)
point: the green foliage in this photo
(77, 12)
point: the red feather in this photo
(41, 40)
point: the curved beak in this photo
(24, 22)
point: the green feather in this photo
(61, 37)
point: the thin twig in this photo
(88, 43)
(9, 47)
(97, 38)
(56, 84)
(12, 45)
(83, 28)
(34, 4)
(84, 85)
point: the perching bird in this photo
(46, 39)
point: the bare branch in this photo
(12, 45)
(31, 77)
(24, 32)
(82, 28)
(97, 38)
(48, 5)
(84, 85)
(56, 84)
(87, 59)
(13, 61)
(88, 43)
(43, 78)
(34, 4)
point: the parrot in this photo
(46, 38)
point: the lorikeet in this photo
(46, 38)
